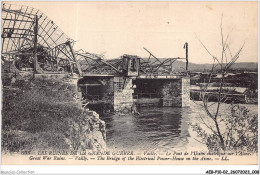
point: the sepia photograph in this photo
(129, 83)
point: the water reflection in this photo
(156, 129)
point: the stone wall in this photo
(123, 93)
(172, 93)
(176, 92)
(185, 92)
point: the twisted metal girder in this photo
(53, 46)
(27, 34)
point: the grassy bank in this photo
(37, 115)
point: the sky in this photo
(117, 28)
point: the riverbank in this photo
(239, 116)
(44, 115)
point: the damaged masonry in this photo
(145, 84)
(31, 42)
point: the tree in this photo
(228, 127)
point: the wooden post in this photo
(187, 58)
(35, 44)
(9, 63)
(172, 65)
(74, 58)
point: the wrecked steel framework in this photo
(32, 41)
(126, 65)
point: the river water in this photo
(156, 129)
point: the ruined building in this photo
(34, 43)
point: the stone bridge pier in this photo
(132, 85)
(120, 92)
(153, 92)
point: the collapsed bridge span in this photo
(33, 42)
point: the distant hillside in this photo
(193, 67)
(179, 65)
(248, 66)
